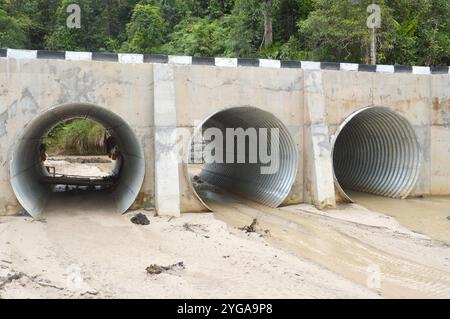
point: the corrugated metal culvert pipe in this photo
(376, 151)
(246, 179)
(27, 169)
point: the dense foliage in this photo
(412, 32)
(76, 137)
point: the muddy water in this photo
(324, 242)
(424, 215)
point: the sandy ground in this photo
(88, 166)
(82, 250)
(104, 255)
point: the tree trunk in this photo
(268, 32)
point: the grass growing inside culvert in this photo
(76, 137)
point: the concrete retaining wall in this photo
(158, 94)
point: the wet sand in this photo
(86, 251)
(354, 241)
(81, 249)
(427, 215)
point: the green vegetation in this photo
(76, 137)
(146, 30)
(414, 32)
(11, 33)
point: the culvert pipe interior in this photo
(26, 168)
(376, 151)
(246, 179)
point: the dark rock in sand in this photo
(140, 219)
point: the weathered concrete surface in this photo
(29, 87)
(440, 135)
(318, 162)
(202, 91)
(410, 95)
(167, 189)
(182, 96)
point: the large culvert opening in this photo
(102, 160)
(245, 151)
(376, 151)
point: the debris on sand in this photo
(140, 219)
(188, 227)
(15, 276)
(251, 228)
(448, 217)
(10, 278)
(39, 220)
(266, 233)
(157, 269)
(81, 160)
(92, 293)
(193, 227)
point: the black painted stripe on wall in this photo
(330, 66)
(41, 54)
(403, 69)
(203, 61)
(156, 58)
(367, 68)
(105, 56)
(3, 53)
(291, 64)
(248, 62)
(439, 70)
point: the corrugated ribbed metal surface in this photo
(246, 179)
(377, 152)
(26, 169)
